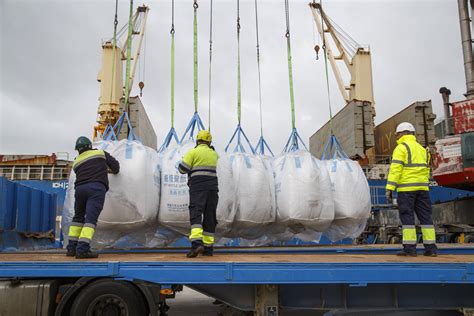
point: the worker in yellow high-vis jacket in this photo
(409, 175)
(200, 165)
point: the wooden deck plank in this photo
(238, 257)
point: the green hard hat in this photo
(82, 142)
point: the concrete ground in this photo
(189, 302)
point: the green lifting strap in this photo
(327, 85)
(290, 67)
(327, 71)
(114, 45)
(195, 49)
(129, 56)
(172, 63)
(239, 93)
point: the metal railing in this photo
(378, 198)
(35, 172)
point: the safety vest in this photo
(409, 170)
(199, 161)
(88, 155)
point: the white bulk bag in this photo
(225, 206)
(174, 205)
(132, 200)
(255, 205)
(68, 208)
(303, 192)
(134, 193)
(351, 195)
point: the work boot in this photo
(407, 253)
(430, 253)
(71, 248)
(196, 249)
(208, 251)
(87, 255)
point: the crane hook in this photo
(316, 48)
(141, 85)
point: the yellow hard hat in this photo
(204, 135)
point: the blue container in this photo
(57, 186)
(26, 217)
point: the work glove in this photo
(389, 196)
(177, 164)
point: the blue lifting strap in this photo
(293, 143)
(239, 147)
(261, 146)
(171, 135)
(194, 124)
(333, 149)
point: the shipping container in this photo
(141, 124)
(353, 126)
(420, 114)
(27, 216)
(463, 116)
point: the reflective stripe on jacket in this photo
(409, 170)
(86, 156)
(200, 165)
(92, 166)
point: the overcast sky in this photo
(51, 53)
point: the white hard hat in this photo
(405, 127)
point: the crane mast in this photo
(356, 58)
(111, 77)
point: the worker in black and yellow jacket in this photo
(91, 168)
(200, 165)
(409, 175)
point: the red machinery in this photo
(454, 158)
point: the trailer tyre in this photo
(109, 297)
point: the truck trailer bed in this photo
(273, 265)
(264, 258)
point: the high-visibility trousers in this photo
(88, 204)
(417, 202)
(202, 215)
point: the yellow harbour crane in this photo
(114, 86)
(356, 58)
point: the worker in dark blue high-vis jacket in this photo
(91, 168)
(409, 175)
(200, 165)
